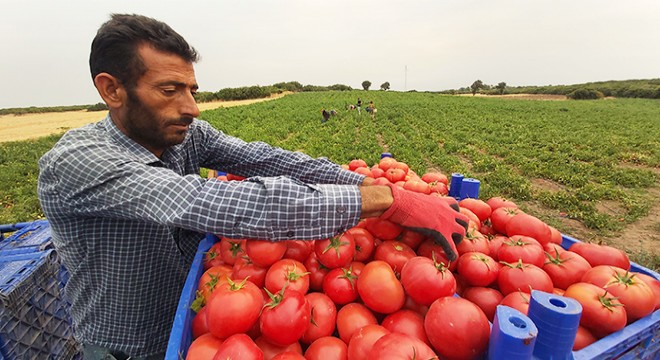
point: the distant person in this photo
(359, 105)
(127, 205)
(326, 115)
(371, 109)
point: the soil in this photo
(31, 126)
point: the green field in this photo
(589, 168)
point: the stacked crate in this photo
(34, 315)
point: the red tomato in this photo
(439, 188)
(597, 254)
(411, 238)
(394, 253)
(351, 318)
(363, 341)
(285, 318)
(501, 216)
(523, 248)
(634, 294)
(298, 249)
(406, 322)
(425, 280)
(234, 308)
(317, 272)
(379, 288)
(394, 175)
(339, 285)
(213, 256)
(473, 241)
(565, 268)
(244, 268)
(386, 162)
(448, 322)
(211, 279)
(199, 324)
(323, 317)
(383, 229)
(417, 186)
(654, 284)
(335, 252)
(583, 338)
(395, 346)
(380, 180)
(498, 202)
(287, 272)
(486, 228)
(231, 249)
(378, 173)
(553, 248)
(289, 355)
(327, 348)
(435, 176)
(518, 300)
(485, 298)
(474, 219)
(556, 237)
(265, 253)
(356, 163)
(523, 277)
(364, 171)
(494, 245)
(430, 249)
(364, 243)
(204, 347)
(239, 346)
(478, 207)
(270, 350)
(528, 225)
(602, 314)
(478, 269)
(413, 305)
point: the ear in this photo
(110, 89)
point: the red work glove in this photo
(430, 216)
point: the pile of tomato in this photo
(380, 291)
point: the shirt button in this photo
(341, 209)
(290, 233)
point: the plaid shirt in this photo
(127, 224)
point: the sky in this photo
(423, 45)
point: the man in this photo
(127, 206)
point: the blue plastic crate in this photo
(34, 236)
(639, 340)
(181, 335)
(34, 316)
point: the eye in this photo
(168, 91)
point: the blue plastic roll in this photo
(513, 335)
(221, 173)
(557, 318)
(385, 154)
(455, 185)
(470, 188)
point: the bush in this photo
(98, 107)
(585, 94)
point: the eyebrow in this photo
(177, 84)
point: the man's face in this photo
(161, 107)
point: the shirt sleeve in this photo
(248, 159)
(96, 182)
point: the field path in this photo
(31, 126)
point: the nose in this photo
(189, 106)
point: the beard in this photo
(148, 128)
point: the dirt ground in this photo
(30, 126)
(522, 96)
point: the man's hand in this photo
(430, 216)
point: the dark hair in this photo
(114, 49)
